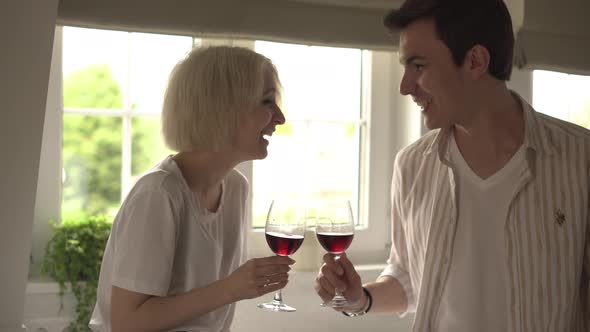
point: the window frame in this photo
(392, 122)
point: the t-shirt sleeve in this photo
(145, 241)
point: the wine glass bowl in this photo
(284, 232)
(283, 244)
(335, 243)
(334, 227)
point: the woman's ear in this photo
(477, 61)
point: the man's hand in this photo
(340, 275)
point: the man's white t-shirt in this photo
(474, 297)
(163, 243)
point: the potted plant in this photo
(73, 257)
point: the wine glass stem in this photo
(337, 291)
(278, 296)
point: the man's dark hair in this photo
(462, 24)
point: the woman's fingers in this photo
(273, 260)
(264, 275)
(272, 287)
(268, 266)
(271, 269)
(271, 279)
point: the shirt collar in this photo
(536, 136)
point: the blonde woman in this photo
(175, 260)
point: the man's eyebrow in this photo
(410, 60)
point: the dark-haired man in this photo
(490, 209)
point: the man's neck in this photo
(493, 132)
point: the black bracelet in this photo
(360, 313)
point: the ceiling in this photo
(382, 4)
(516, 7)
(550, 34)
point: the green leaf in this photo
(73, 257)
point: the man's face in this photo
(431, 77)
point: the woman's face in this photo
(253, 126)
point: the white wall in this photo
(26, 36)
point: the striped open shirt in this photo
(547, 229)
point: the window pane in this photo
(314, 161)
(332, 161)
(91, 164)
(151, 60)
(147, 145)
(319, 82)
(94, 68)
(563, 96)
(316, 154)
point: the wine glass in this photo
(284, 232)
(335, 230)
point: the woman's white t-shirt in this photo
(163, 243)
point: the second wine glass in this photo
(284, 232)
(335, 230)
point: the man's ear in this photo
(477, 61)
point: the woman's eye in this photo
(268, 101)
(418, 66)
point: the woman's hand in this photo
(259, 276)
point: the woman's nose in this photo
(278, 116)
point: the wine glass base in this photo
(337, 303)
(276, 306)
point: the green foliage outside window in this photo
(92, 164)
(92, 87)
(92, 144)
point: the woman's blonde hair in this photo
(206, 92)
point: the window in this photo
(316, 154)
(113, 84)
(564, 96)
(345, 123)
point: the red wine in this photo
(335, 243)
(283, 244)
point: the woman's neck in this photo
(204, 172)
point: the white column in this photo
(26, 36)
